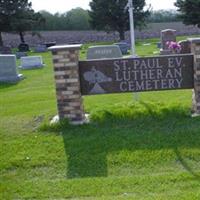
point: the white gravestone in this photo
(104, 51)
(31, 62)
(8, 71)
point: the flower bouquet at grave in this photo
(174, 47)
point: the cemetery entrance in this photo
(75, 78)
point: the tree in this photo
(75, 19)
(190, 11)
(17, 16)
(78, 19)
(160, 16)
(113, 15)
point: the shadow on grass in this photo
(7, 85)
(142, 126)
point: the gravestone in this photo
(31, 62)
(104, 51)
(168, 35)
(40, 48)
(49, 44)
(159, 45)
(185, 46)
(23, 47)
(8, 71)
(124, 47)
(5, 50)
(20, 54)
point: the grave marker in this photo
(40, 48)
(124, 47)
(168, 35)
(104, 51)
(31, 62)
(8, 71)
(20, 54)
(23, 47)
(5, 50)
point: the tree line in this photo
(79, 19)
(17, 16)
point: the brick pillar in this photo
(66, 71)
(195, 49)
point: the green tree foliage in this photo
(78, 19)
(75, 19)
(190, 11)
(163, 16)
(17, 16)
(113, 15)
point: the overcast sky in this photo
(65, 5)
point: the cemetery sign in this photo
(136, 74)
(74, 78)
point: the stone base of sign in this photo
(66, 73)
(11, 79)
(195, 115)
(86, 120)
(195, 49)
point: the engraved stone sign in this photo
(31, 62)
(8, 72)
(136, 74)
(104, 51)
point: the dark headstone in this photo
(124, 47)
(23, 47)
(49, 44)
(185, 46)
(159, 45)
(5, 50)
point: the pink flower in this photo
(173, 46)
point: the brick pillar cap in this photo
(194, 40)
(65, 47)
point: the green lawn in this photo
(131, 150)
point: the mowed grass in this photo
(148, 149)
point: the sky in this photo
(66, 5)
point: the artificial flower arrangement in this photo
(173, 46)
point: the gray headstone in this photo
(40, 48)
(104, 51)
(124, 47)
(8, 71)
(31, 62)
(20, 54)
(167, 35)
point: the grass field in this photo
(148, 149)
